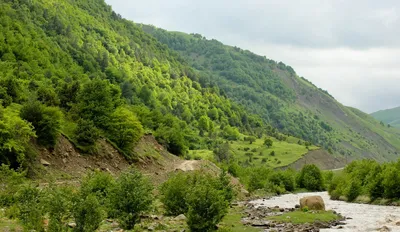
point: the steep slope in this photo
(283, 99)
(389, 116)
(76, 67)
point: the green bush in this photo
(233, 169)
(353, 190)
(31, 208)
(173, 194)
(58, 205)
(45, 120)
(130, 197)
(86, 134)
(207, 207)
(257, 178)
(310, 178)
(10, 182)
(391, 182)
(124, 129)
(283, 178)
(15, 135)
(273, 188)
(87, 213)
(98, 183)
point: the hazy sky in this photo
(350, 48)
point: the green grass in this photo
(232, 222)
(299, 217)
(286, 152)
(8, 224)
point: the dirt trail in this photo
(188, 165)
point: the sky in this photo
(349, 48)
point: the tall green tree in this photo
(124, 129)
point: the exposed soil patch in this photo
(65, 161)
(321, 158)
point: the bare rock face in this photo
(312, 203)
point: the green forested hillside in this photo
(288, 102)
(76, 67)
(389, 116)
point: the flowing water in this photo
(363, 217)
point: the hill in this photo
(389, 116)
(283, 99)
(76, 69)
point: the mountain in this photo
(288, 102)
(75, 67)
(389, 116)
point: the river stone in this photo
(312, 203)
(384, 229)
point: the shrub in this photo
(207, 207)
(97, 183)
(391, 182)
(87, 213)
(15, 135)
(272, 153)
(233, 169)
(45, 120)
(58, 204)
(310, 177)
(353, 190)
(257, 178)
(86, 133)
(284, 179)
(10, 183)
(173, 194)
(268, 142)
(30, 206)
(130, 197)
(175, 190)
(223, 183)
(273, 188)
(48, 96)
(222, 153)
(124, 129)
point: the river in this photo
(363, 217)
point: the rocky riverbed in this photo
(359, 217)
(256, 216)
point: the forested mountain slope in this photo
(76, 67)
(389, 116)
(291, 103)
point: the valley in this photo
(110, 125)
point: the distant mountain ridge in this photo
(389, 116)
(283, 99)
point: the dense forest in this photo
(283, 99)
(78, 68)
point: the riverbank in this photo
(359, 217)
(289, 219)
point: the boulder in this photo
(312, 203)
(180, 217)
(44, 162)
